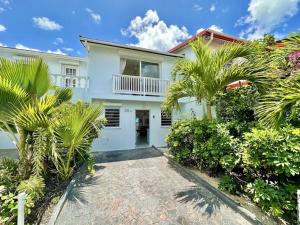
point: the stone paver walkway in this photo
(142, 187)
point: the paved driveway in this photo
(143, 187)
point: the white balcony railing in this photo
(125, 84)
(61, 80)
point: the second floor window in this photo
(70, 71)
(141, 68)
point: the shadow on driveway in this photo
(125, 155)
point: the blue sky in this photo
(55, 25)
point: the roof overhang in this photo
(25, 52)
(207, 32)
(86, 41)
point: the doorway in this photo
(142, 128)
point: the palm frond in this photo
(272, 107)
(227, 53)
(176, 91)
(12, 95)
(211, 71)
(28, 117)
(30, 74)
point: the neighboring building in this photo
(129, 81)
(214, 40)
(66, 71)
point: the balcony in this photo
(61, 80)
(136, 85)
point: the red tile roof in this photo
(205, 32)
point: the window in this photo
(71, 82)
(165, 119)
(130, 67)
(134, 67)
(112, 116)
(70, 71)
(150, 69)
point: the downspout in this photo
(211, 37)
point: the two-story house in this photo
(130, 82)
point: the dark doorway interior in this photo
(142, 127)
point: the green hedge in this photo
(201, 143)
(262, 163)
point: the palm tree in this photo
(75, 127)
(26, 104)
(284, 96)
(211, 71)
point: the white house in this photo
(129, 81)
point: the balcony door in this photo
(134, 67)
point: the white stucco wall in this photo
(124, 136)
(104, 62)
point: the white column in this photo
(298, 199)
(21, 208)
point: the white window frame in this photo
(73, 82)
(140, 65)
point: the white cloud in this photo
(23, 47)
(58, 41)
(2, 28)
(198, 7)
(57, 51)
(95, 16)
(212, 8)
(45, 23)
(212, 27)
(153, 33)
(265, 16)
(68, 49)
(3, 45)
(2, 9)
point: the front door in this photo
(142, 128)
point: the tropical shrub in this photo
(276, 152)
(237, 104)
(227, 183)
(279, 200)
(8, 172)
(201, 143)
(180, 140)
(33, 187)
(212, 143)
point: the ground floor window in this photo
(112, 116)
(165, 119)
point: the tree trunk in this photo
(208, 110)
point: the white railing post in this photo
(21, 208)
(113, 84)
(144, 85)
(298, 200)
